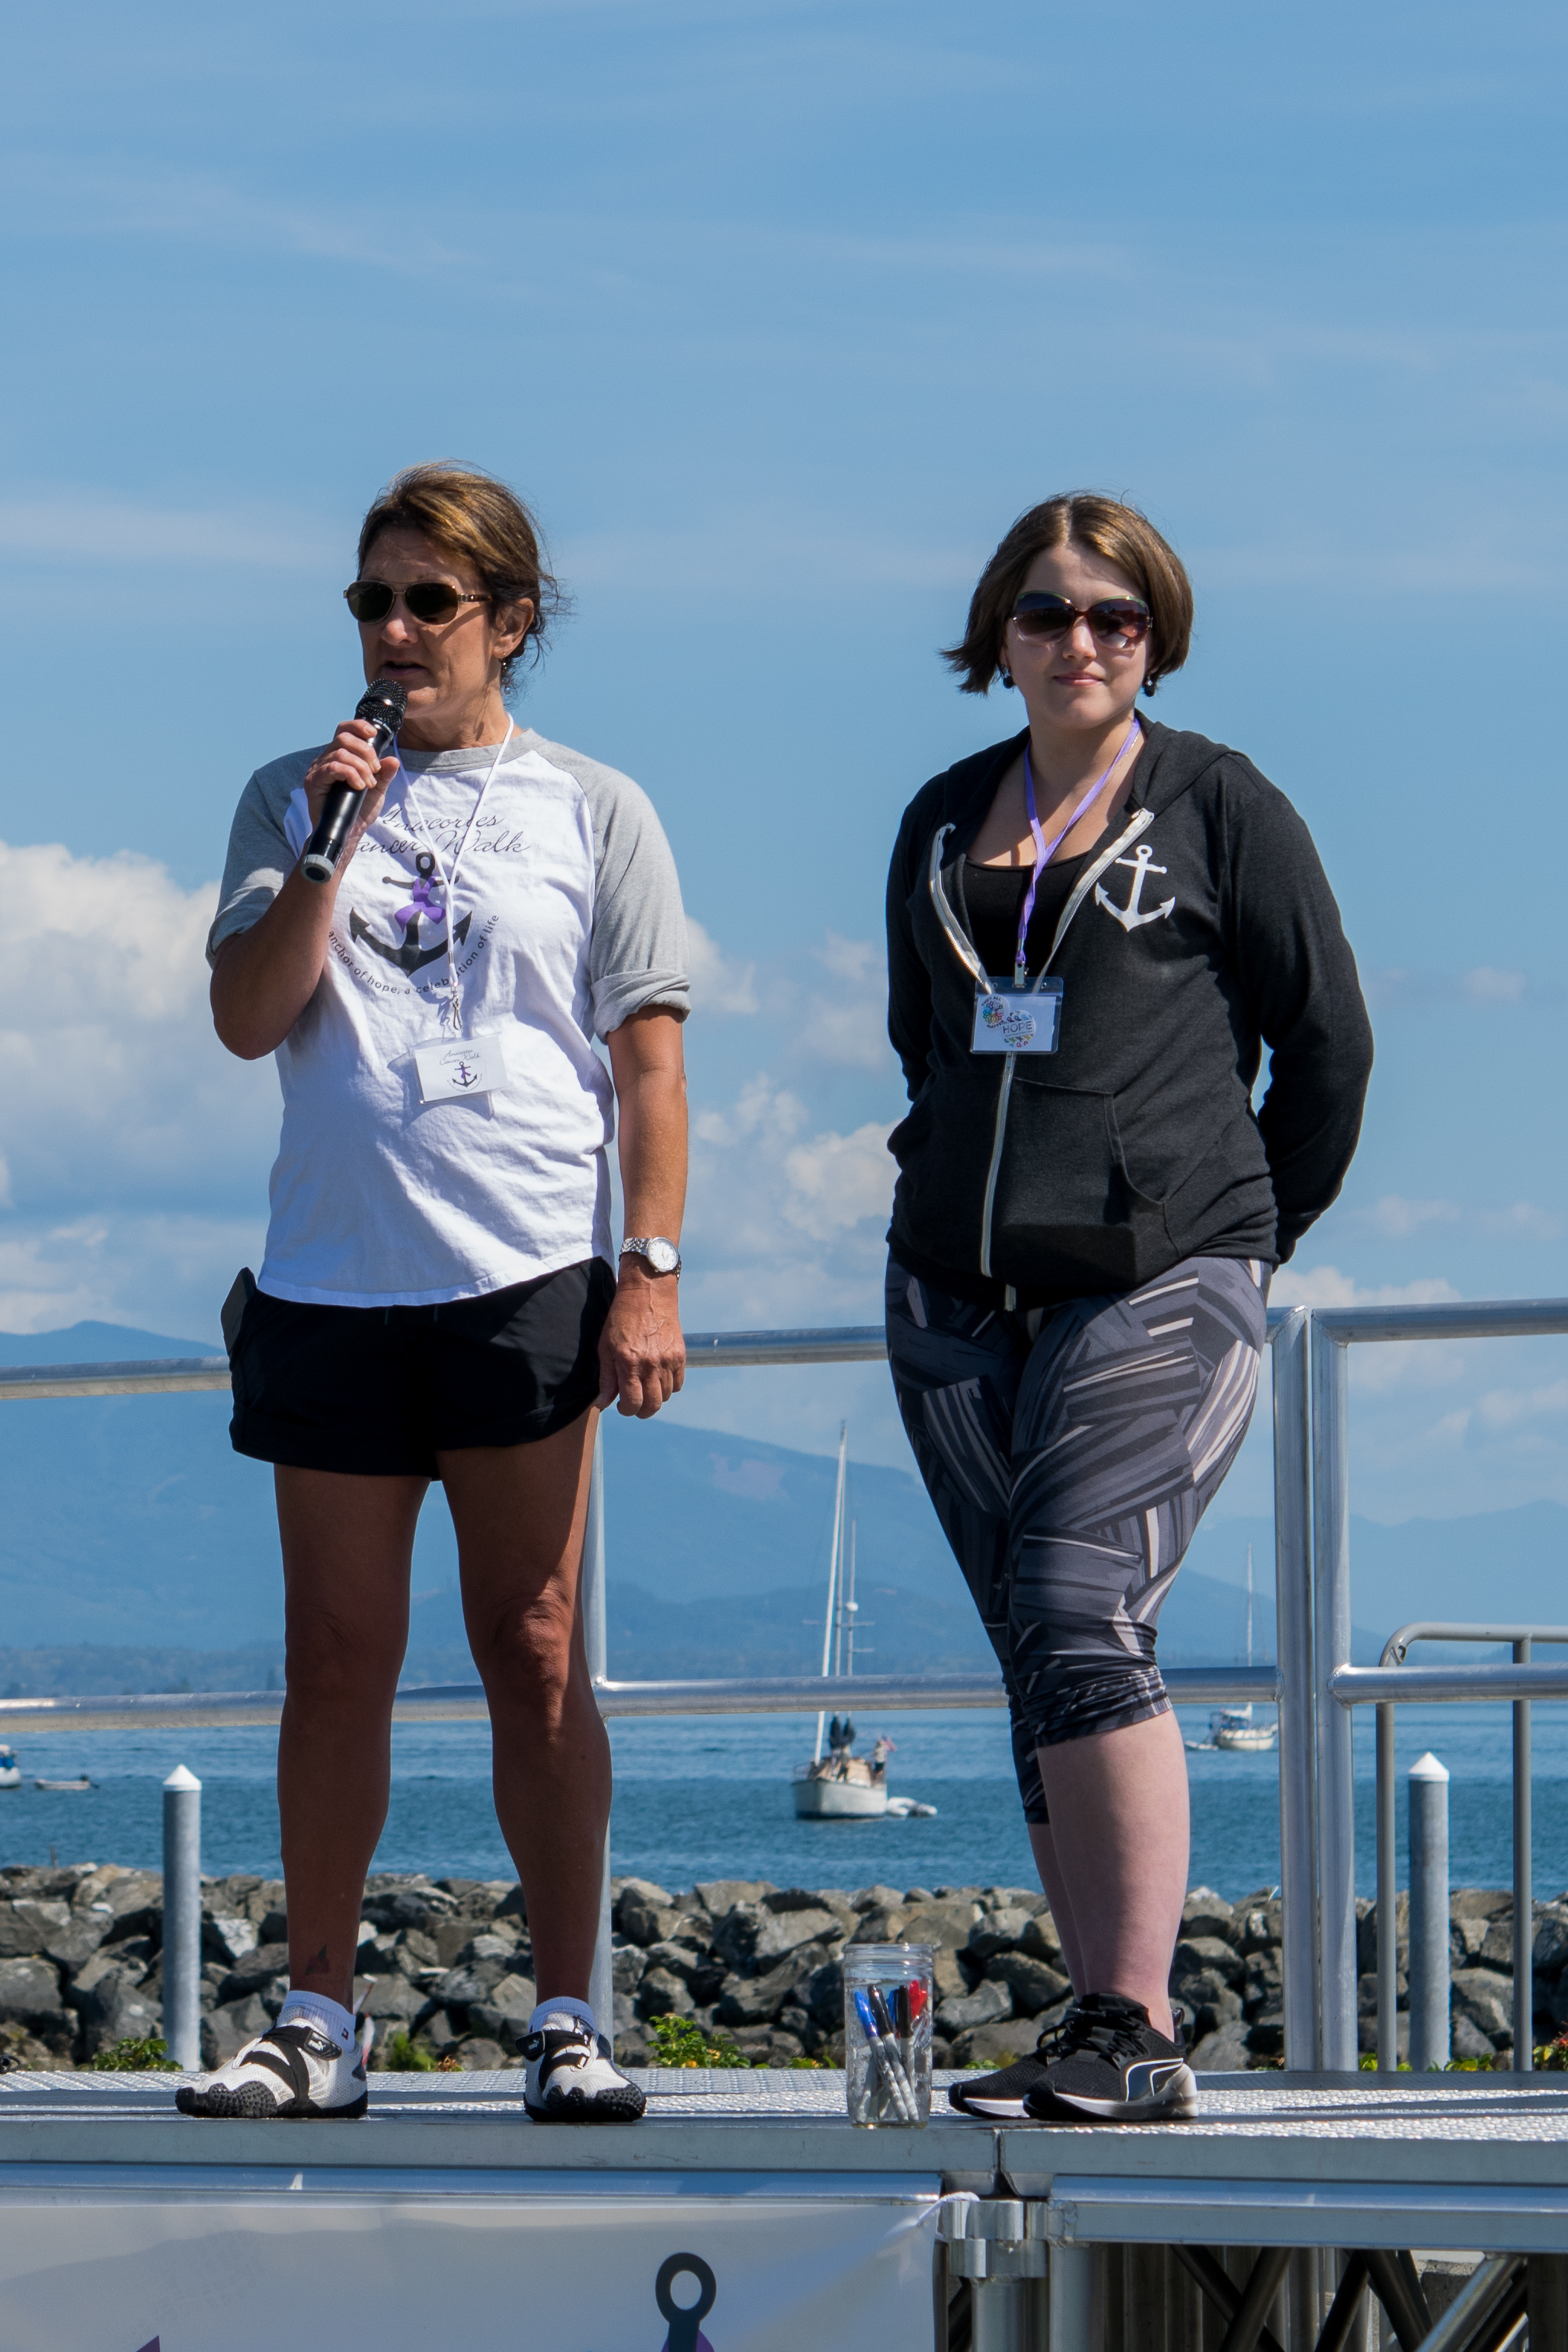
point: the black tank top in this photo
(994, 900)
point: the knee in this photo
(528, 1651)
(331, 1663)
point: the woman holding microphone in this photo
(440, 1297)
(1094, 927)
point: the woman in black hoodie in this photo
(1093, 929)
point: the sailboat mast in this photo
(1249, 1604)
(834, 1556)
(849, 1607)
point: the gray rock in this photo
(256, 1970)
(1034, 1986)
(1464, 2039)
(472, 1980)
(1480, 1902)
(792, 1898)
(125, 2011)
(228, 1938)
(30, 1993)
(791, 1931)
(1487, 2000)
(1366, 2036)
(998, 1931)
(951, 1979)
(477, 2054)
(416, 1906)
(21, 1930)
(1040, 1941)
(682, 1960)
(1224, 2051)
(720, 1895)
(821, 1995)
(1549, 1950)
(1260, 1927)
(1206, 1914)
(988, 2002)
(1264, 1981)
(1497, 1947)
(626, 1967)
(664, 1994)
(876, 1898)
(1266, 2034)
(74, 1945)
(225, 2031)
(1218, 2007)
(1194, 1952)
(392, 2001)
(995, 2044)
(756, 2001)
(933, 1923)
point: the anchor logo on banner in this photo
(1129, 916)
(685, 2333)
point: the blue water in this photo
(710, 1799)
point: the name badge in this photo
(460, 1068)
(1016, 1021)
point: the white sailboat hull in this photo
(1252, 1741)
(837, 1801)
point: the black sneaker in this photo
(1003, 2094)
(1108, 2065)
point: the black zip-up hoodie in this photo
(1135, 1144)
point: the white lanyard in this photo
(448, 881)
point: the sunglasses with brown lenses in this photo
(423, 600)
(1118, 623)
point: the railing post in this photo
(182, 1917)
(1293, 1620)
(1336, 1776)
(1430, 1981)
(1523, 1884)
(595, 1633)
(1387, 1900)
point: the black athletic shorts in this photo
(380, 1391)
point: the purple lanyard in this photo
(1045, 850)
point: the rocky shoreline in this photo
(447, 1968)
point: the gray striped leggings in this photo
(1069, 1453)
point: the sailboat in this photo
(842, 1786)
(1231, 1726)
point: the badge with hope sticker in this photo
(1010, 1021)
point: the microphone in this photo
(384, 703)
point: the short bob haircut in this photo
(1108, 526)
(470, 514)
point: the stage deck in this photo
(1338, 2160)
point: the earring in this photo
(1005, 676)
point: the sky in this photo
(779, 313)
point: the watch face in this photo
(663, 1256)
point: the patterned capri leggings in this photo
(1070, 1452)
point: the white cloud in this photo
(838, 1179)
(1325, 1286)
(847, 1027)
(1486, 986)
(122, 1110)
(1397, 1218)
(1521, 1222)
(76, 526)
(720, 982)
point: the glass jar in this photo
(887, 2032)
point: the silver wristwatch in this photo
(663, 1258)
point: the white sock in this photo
(315, 2008)
(566, 2007)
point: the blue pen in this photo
(879, 2043)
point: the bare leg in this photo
(519, 1513)
(347, 1543)
(1119, 1838)
(1051, 1879)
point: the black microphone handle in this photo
(319, 862)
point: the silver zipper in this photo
(1081, 888)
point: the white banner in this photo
(209, 2262)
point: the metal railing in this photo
(1520, 1638)
(1342, 1685)
(1315, 1684)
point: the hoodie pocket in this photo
(1067, 1217)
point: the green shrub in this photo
(146, 2056)
(678, 2042)
(401, 2054)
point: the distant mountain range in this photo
(132, 1530)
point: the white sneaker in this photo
(571, 2080)
(292, 2071)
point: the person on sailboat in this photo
(1093, 929)
(441, 1297)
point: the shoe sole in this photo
(1179, 2100)
(226, 2106)
(1012, 2111)
(626, 2106)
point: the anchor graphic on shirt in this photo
(1129, 916)
(410, 957)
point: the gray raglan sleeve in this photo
(260, 859)
(637, 956)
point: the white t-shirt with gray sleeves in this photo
(566, 918)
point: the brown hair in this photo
(471, 514)
(1111, 529)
